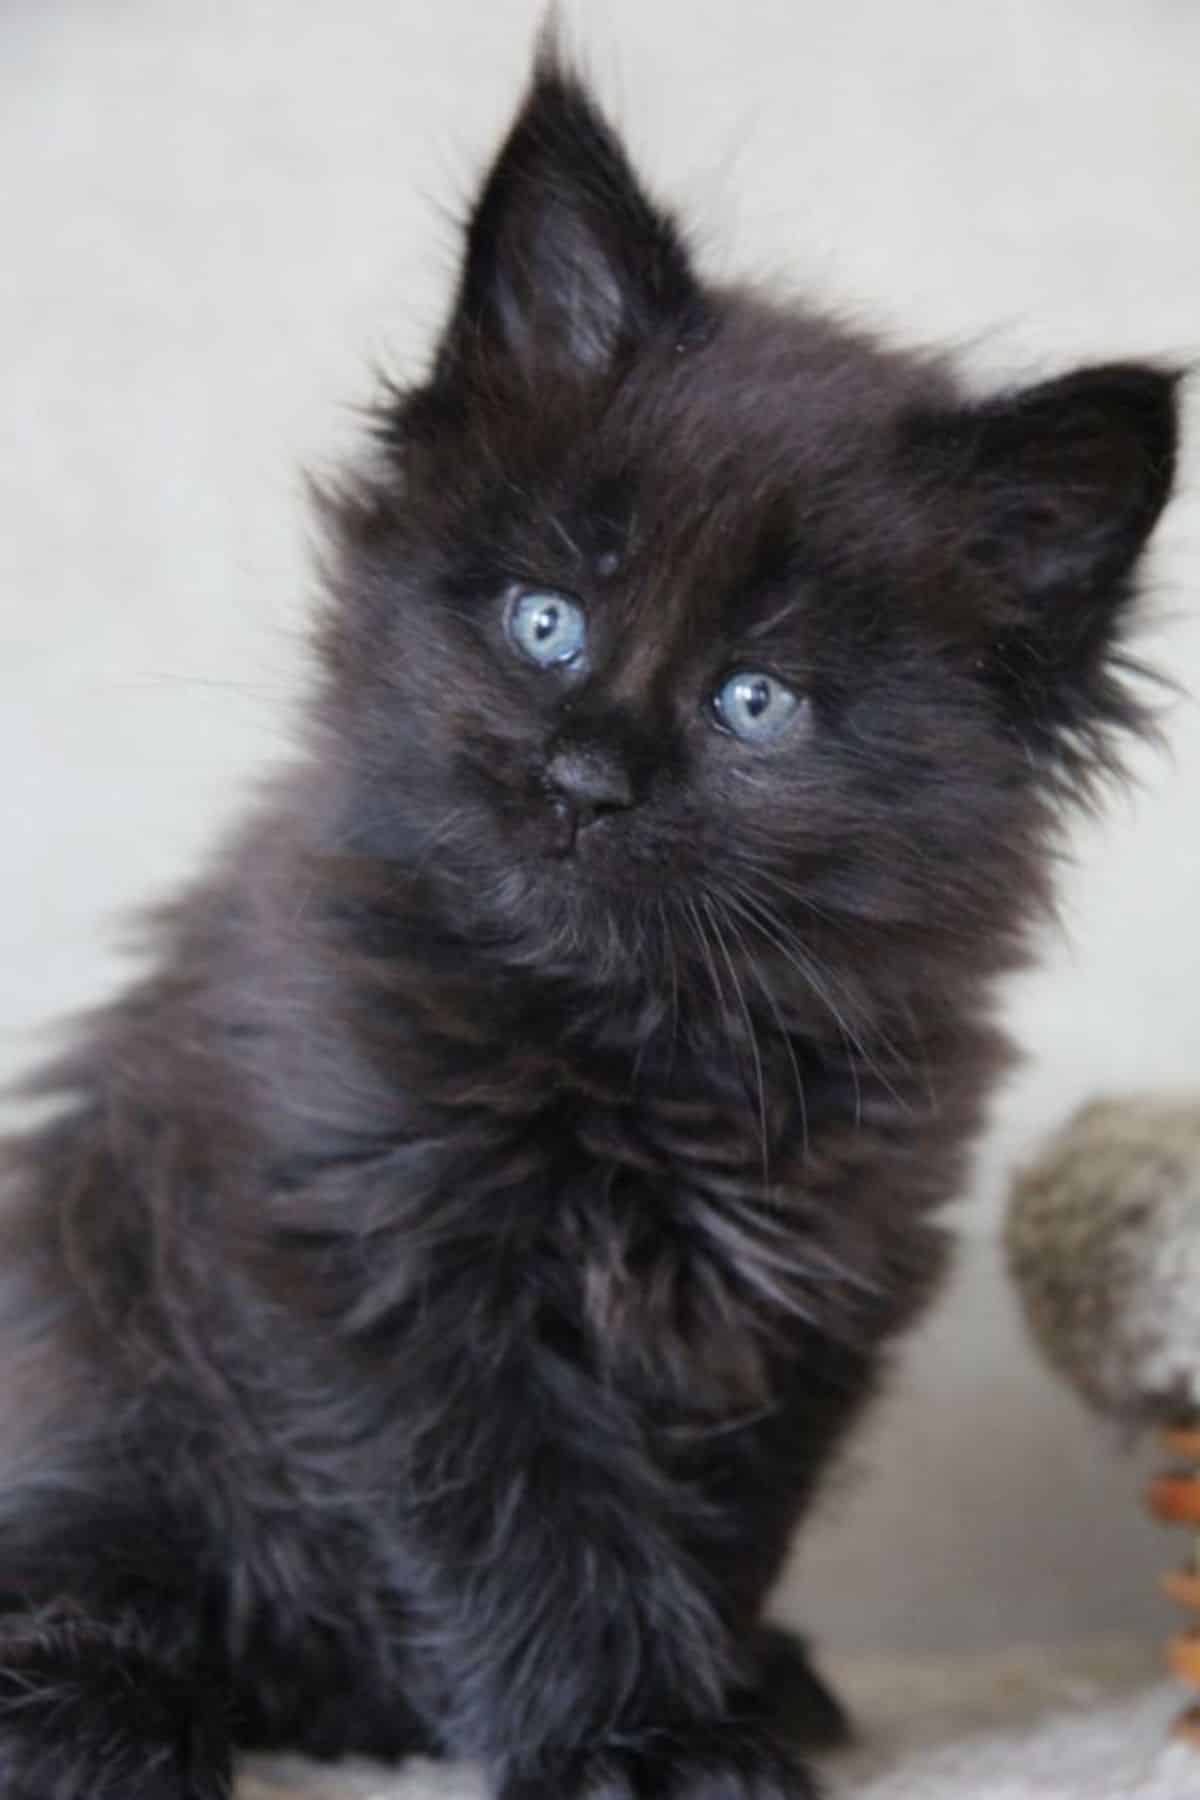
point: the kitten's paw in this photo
(795, 1699)
(723, 1762)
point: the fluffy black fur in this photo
(446, 1276)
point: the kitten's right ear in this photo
(1052, 492)
(567, 263)
(1059, 486)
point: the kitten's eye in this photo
(755, 707)
(546, 627)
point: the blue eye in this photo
(755, 707)
(546, 627)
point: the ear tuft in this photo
(567, 261)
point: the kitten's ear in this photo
(567, 261)
(1065, 480)
(1055, 492)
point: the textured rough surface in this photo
(1104, 1244)
(1089, 1723)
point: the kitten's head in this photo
(669, 610)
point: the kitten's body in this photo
(454, 1267)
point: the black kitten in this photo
(447, 1276)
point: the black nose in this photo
(586, 781)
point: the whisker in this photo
(423, 852)
(756, 914)
(786, 1036)
(817, 975)
(717, 986)
(669, 946)
(751, 1034)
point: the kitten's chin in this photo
(600, 861)
(590, 915)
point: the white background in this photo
(217, 214)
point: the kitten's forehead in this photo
(716, 478)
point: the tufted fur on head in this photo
(456, 1262)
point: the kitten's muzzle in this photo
(585, 784)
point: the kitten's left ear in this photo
(1054, 492)
(1065, 481)
(567, 261)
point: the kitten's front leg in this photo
(745, 1751)
(804, 1708)
(585, 1649)
(726, 1760)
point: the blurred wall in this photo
(217, 215)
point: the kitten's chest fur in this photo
(682, 1215)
